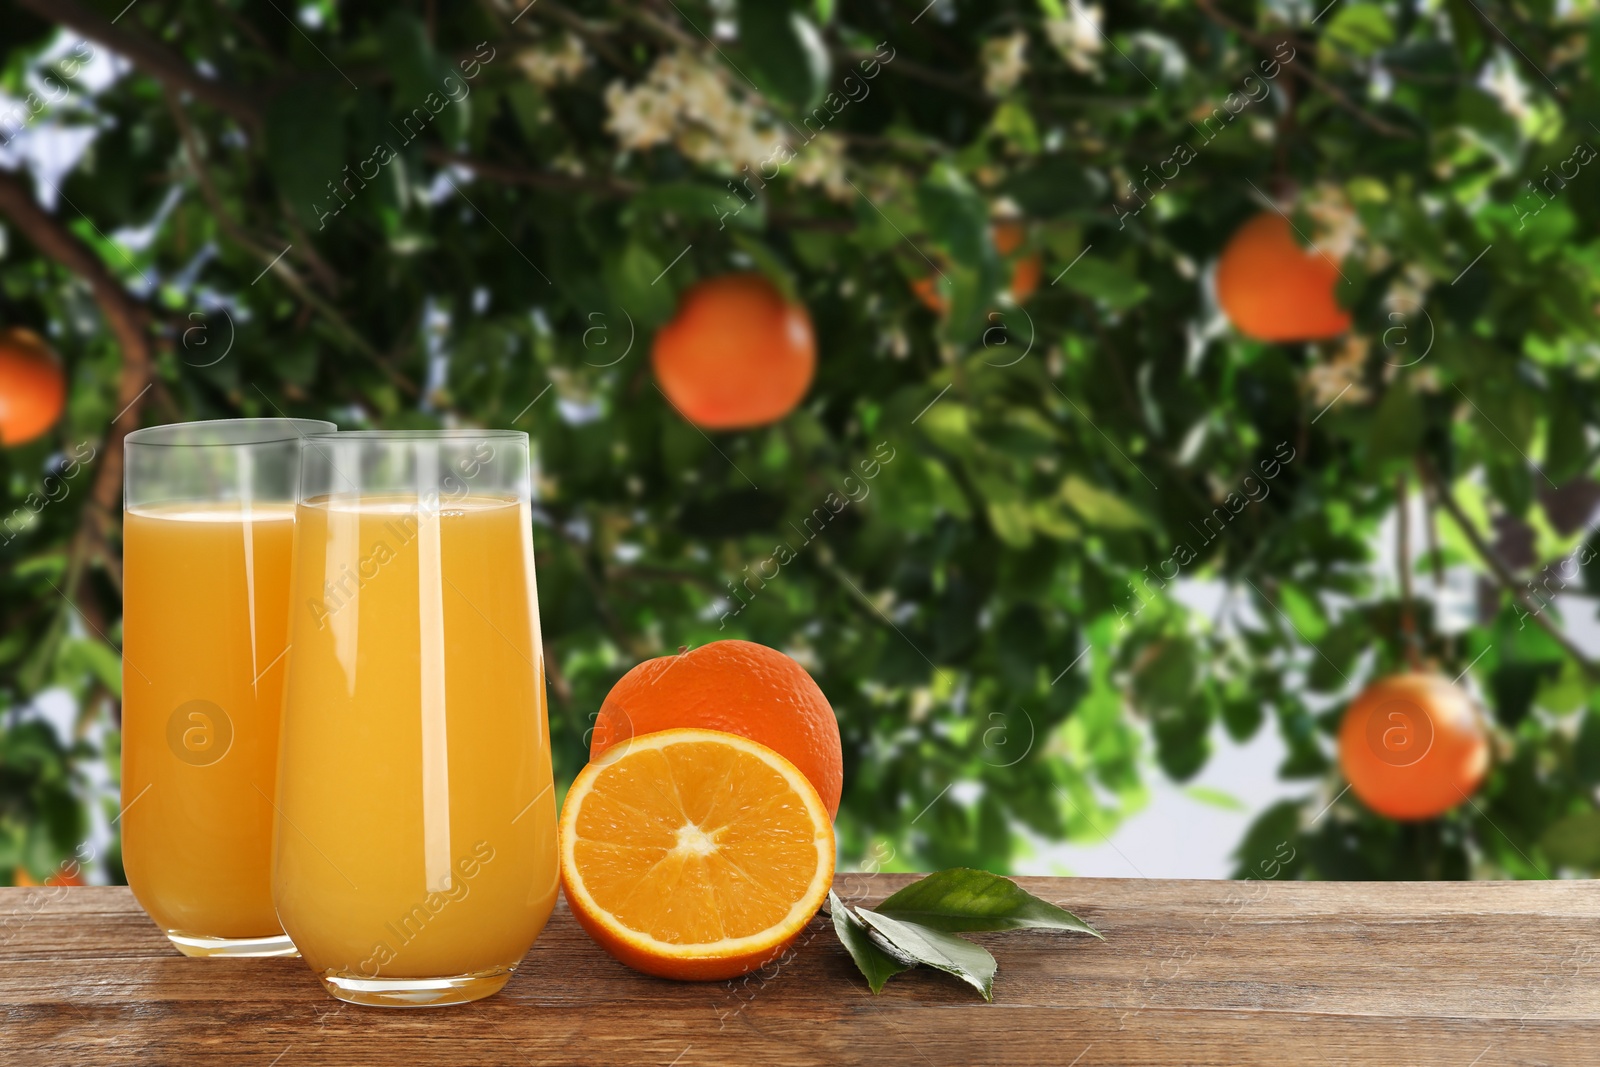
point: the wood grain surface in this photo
(1193, 973)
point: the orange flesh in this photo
(694, 843)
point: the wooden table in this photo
(1227, 973)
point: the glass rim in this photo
(235, 433)
(456, 434)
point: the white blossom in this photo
(693, 106)
(1502, 82)
(555, 64)
(1005, 61)
(1340, 374)
(1408, 288)
(1337, 229)
(1077, 36)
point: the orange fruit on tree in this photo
(1413, 746)
(32, 388)
(694, 854)
(1272, 289)
(737, 686)
(926, 289)
(1008, 236)
(21, 877)
(737, 354)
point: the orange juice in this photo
(205, 614)
(417, 836)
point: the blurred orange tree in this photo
(978, 528)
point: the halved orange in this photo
(694, 854)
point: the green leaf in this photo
(1055, 184)
(1398, 429)
(1013, 122)
(423, 95)
(949, 425)
(946, 952)
(97, 658)
(1336, 651)
(1165, 675)
(1110, 283)
(963, 900)
(1215, 798)
(1480, 115)
(1012, 521)
(1564, 693)
(1360, 29)
(1566, 444)
(1183, 738)
(1267, 849)
(769, 264)
(409, 56)
(728, 205)
(1051, 520)
(787, 55)
(305, 150)
(1586, 749)
(877, 963)
(1304, 611)
(528, 107)
(637, 280)
(956, 215)
(1594, 48)
(1242, 716)
(1466, 30)
(1574, 841)
(1511, 481)
(1101, 507)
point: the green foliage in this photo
(918, 924)
(473, 231)
(953, 955)
(877, 963)
(787, 54)
(961, 900)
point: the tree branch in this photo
(235, 232)
(511, 174)
(593, 33)
(917, 72)
(1402, 546)
(213, 198)
(1502, 573)
(151, 57)
(1305, 73)
(128, 321)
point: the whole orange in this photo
(738, 687)
(32, 387)
(1272, 289)
(1413, 746)
(737, 354)
(1008, 236)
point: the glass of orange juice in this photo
(415, 854)
(207, 530)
